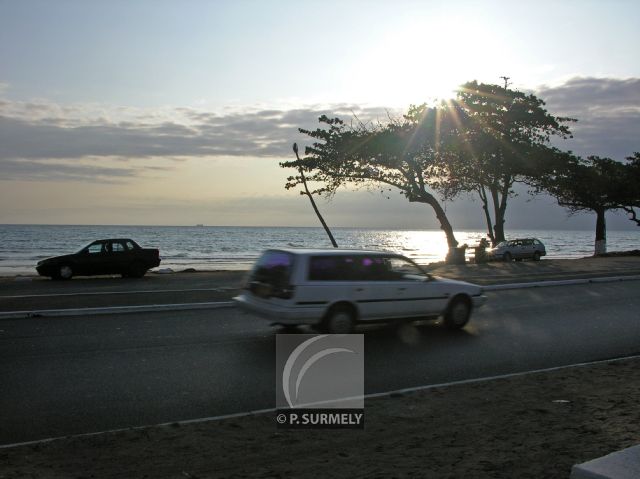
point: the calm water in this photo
(225, 248)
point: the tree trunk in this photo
(498, 227)
(442, 218)
(315, 208)
(499, 196)
(601, 232)
(487, 216)
(313, 203)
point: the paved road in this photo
(31, 294)
(62, 376)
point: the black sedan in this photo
(107, 256)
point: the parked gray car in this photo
(518, 249)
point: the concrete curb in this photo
(624, 464)
(227, 304)
(560, 282)
(114, 310)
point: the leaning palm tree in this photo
(313, 203)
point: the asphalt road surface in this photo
(61, 376)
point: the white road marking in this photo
(106, 293)
(560, 282)
(144, 308)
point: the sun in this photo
(422, 61)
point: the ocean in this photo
(236, 248)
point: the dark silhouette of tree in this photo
(503, 138)
(593, 184)
(405, 153)
(629, 191)
(313, 203)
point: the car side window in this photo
(95, 248)
(401, 269)
(374, 268)
(332, 268)
(130, 246)
(117, 247)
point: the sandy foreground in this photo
(530, 426)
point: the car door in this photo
(518, 249)
(119, 257)
(530, 248)
(94, 259)
(378, 292)
(417, 293)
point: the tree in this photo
(594, 185)
(404, 154)
(313, 203)
(503, 137)
(628, 193)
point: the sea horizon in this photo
(631, 228)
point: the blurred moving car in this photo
(518, 249)
(107, 256)
(334, 289)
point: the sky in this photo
(178, 112)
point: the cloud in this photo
(36, 132)
(608, 113)
(40, 131)
(94, 172)
(35, 136)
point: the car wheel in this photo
(536, 256)
(137, 270)
(339, 320)
(507, 257)
(458, 313)
(65, 272)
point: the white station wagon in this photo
(334, 289)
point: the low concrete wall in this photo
(623, 464)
